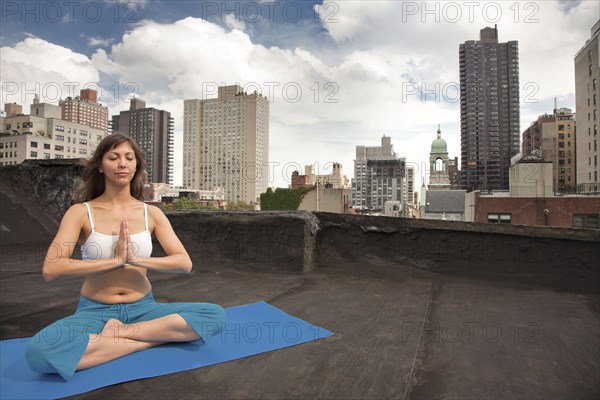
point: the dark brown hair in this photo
(93, 180)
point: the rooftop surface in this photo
(420, 336)
(407, 327)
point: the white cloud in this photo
(35, 66)
(99, 42)
(234, 23)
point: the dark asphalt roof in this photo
(419, 335)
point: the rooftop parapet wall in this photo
(34, 196)
(273, 241)
(562, 258)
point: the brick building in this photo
(85, 109)
(561, 211)
(531, 201)
(300, 180)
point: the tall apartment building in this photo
(84, 109)
(552, 138)
(378, 176)
(410, 186)
(42, 134)
(226, 144)
(152, 129)
(489, 108)
(587, 101)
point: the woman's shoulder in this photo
(77, 208)
(75, 213)
(153, 210)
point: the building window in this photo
(60, 138)
(46, 146)
(59, 128)
(58, 148)
(589, 221)
(499, 218)
(33, 144)
(33, 154)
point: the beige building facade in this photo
(587, 105)
(529, 178)
(43, 135)
(327, 200)
(552, 137)
(226, 144)
(336, 178)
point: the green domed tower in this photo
(438, 164)
(439, 145)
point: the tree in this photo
(240, 206)
(283, 199)
(187, 203)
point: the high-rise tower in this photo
(489, 109)
(587, 105)
(226, 144)
(152, 129)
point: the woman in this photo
(116, 314)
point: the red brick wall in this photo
(299, 181)
(530, 210)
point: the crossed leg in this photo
(118, 339)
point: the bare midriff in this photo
(127, 284)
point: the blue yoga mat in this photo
(251, 329)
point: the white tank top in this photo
(100, 245)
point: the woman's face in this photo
(119, 164)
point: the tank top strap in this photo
(90, 215)
(146, 214)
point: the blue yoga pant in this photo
(58, 348)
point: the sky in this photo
(337, 73)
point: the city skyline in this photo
(358, 80)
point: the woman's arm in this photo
(58, 262)
(177, 259)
